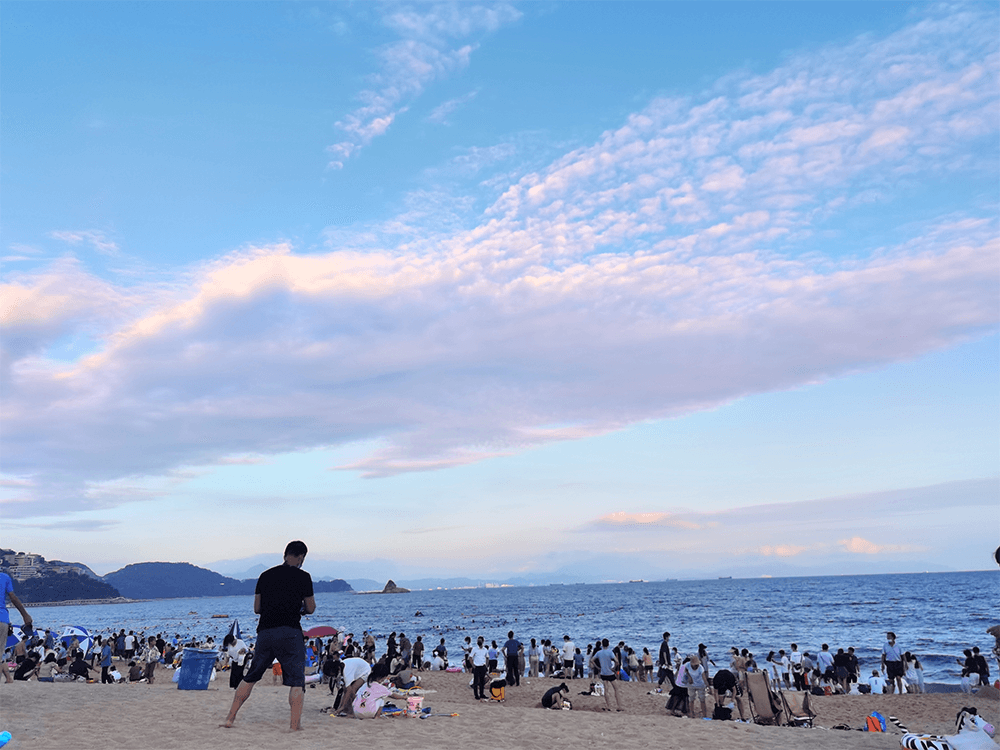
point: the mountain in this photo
(160, 580)
(61, 587)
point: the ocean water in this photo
(934, 615)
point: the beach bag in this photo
(722, 713)
(864, 689)
(817, 690)
(875, 722)
(498, 689)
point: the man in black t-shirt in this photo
(283, 594)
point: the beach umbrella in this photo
(15, 635)
(80, 633)
(320, 631)
(234, 630)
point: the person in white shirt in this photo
(795, 660)
(569, 651)
(479, 656)
(877, 682)
(356, 672)
(237, 650)
(695, 679)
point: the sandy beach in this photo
(60, 715)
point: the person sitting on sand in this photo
(28, 667)
(79, 668)
(134, 672)
(553, 697)
(404, 679)
(877, 682)
(49, 668)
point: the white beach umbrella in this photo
(81, 634)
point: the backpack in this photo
(875, 722)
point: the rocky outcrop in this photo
(392, 588)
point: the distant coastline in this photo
(79, 602)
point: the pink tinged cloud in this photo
(611, 287)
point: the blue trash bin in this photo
(196, 668)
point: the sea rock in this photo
(392, 588)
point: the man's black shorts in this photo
(609, 677)
(287, 646)
(894, 669)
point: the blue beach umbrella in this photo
(15, 635)
(81, 634)
(234, 629)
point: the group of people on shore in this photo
(284, 593)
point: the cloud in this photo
(85, 525)
(97, 240)
(440, 113)
(814, 531)
(425, 53)
(857, 545)
(782, 550)
(620, 519)
(679, 262)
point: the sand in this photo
(76, 715)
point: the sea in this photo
(934, 615)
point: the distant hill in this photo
(60, 587)
(160, 580)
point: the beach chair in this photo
(798, 712)
(765, 706)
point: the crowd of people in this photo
(348, 665)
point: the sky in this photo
(618, 290)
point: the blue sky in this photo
(653, 279)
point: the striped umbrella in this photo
(15, 635)
(81, 634)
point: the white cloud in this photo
(668, 267)
(440, 113)
(96, 239)
(424, 54)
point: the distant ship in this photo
(725, 578)
(637, 580)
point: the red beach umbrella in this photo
(320, 631)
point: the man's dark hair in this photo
(296, 549)
(510, 633)
(604, 642)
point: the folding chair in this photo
(765, 706)
(798, 712)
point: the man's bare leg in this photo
(295, 701)
(618, 700)
(242, 693)
(4, 631)
(607, 693)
